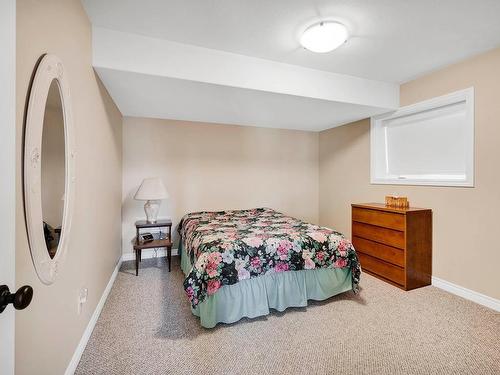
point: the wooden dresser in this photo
(394, 244)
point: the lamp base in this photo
(152, 208)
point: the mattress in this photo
(224, 248)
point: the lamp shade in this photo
(151, 189)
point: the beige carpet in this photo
(146, 327)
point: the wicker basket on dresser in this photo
(394, 244)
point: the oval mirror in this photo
(52, 169)
(48, 167)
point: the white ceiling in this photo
(392, 40)
(150, 77)
(171, 98)
(239, 61)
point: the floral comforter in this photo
(228, 246)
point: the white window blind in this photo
(428, 143)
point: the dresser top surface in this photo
(383, 207)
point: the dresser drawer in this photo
(386, 270)
(388, 253)
(379, 218)
(386, 236)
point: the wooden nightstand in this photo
(394, 244)
(161, 240)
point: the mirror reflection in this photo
(53, 169)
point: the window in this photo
(428, 143)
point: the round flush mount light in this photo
(324, 36)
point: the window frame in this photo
(376, 132)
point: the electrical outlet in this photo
(82, 298)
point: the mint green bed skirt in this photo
(254, 297)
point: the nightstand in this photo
(161, 239)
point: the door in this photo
(8, 176)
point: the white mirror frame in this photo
(50, 68)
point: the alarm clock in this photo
(146, 237)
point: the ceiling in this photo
(170, 98)
(391, 40)
(156, 78)
(239, 61)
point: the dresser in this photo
(394, 244)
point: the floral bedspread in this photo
(228, 246)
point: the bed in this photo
(242, 263)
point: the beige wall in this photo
(47, 333)
(466, 247)
(214, 167)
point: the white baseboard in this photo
(471, 295)
(90, 326)
(148, 253)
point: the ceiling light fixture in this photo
(324, 36)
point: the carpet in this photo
(146, 327)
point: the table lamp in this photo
(152, 191)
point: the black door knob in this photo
(21, 299)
